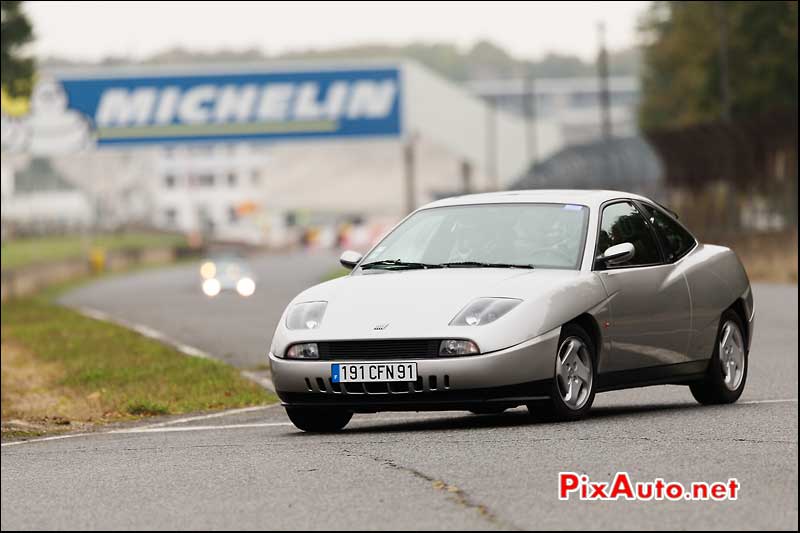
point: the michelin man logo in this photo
(50, 128)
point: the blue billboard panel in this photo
(238, 107)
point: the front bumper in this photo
(497, 376)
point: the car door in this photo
(649, 300)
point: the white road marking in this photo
(162, 427)
(754, 402)
(148, 332)
(199, 428)
(157, 429)
(190, 350)
(94, 313)
(152, 333)
(261, 380)
(149, 426)
(220, 414)
(45, 439)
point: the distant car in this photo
(227, 273)
(538, 298)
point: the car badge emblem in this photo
(381, 327)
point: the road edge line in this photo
(262, 380)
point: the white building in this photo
(572, 103)
(36, 198)
(243, 191)
(215, 189)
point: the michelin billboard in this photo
(69, 113)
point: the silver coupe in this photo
(538, 298)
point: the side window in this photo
(623, 223)
(677, 241)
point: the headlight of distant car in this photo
(306, 315)
(306, 350)
(246, 287)
(208, 270)
(484, 311)
(211, 287)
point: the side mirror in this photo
(617, 254)
(350, 259)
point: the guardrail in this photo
(27, 280)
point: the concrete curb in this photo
(30, 279)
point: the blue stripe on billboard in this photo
(239, 107)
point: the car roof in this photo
(588, 197)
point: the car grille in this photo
(380, 349)
(423, 384)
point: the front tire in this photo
(727, 371)
(573, 387)
(319, 420)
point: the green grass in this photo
(146, 408)
(60, 368)
(335, 273)
(19, 253)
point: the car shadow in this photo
(513, 418)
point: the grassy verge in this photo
(18, 253)
(61, 370)
(335, 273)
(767, 257)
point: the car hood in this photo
(421, 304)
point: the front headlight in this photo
(484, 311)
(451, 347)
(306, 350)
(306, 315)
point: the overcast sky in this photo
(92, 30)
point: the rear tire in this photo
(727, 371)
(319, 420)
(573, 386)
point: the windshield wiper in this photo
(384, 263)
(478, 264)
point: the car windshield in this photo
(525, 235)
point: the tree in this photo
(15, 32)
(690, 45)
(483, 60)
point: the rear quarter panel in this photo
(716, 279)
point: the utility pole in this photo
(409, 168)
(529, 109)
(605, 104)
(466, 176)
(733, 210)
(722, 56)
(491, 143)
(602, 74)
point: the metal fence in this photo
(733, 175)
(721, 177)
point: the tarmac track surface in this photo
(252, 470)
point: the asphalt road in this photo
(253, 470)
(235, 329)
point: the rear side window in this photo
(621, 223)
(676, 240)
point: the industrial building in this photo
(239, 151)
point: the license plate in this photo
(370, 372)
